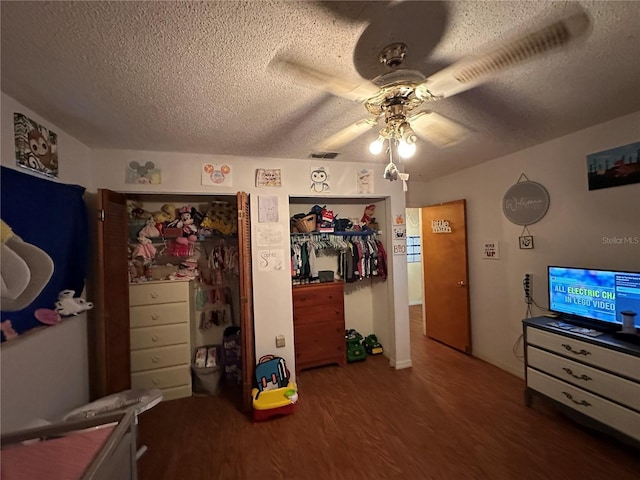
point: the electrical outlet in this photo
(527, 284)
(280, 341)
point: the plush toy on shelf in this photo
(144, 249)
(368, 220)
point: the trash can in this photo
(207, 370)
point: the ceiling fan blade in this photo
(346, 135)
(437, 129)
(358, 91)
(474, 70)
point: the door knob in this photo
(462, 283)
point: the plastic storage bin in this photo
(207, 369)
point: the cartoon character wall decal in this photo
(36, 146)
(364, 181)
(146, 174)
(320, 180)
(216, 175)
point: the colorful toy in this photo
(68, 305)
(275, 395)
(355, 350)
(371, 345)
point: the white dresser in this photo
(598, 377)
(160, 319)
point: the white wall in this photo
(570, 234)
(44, 373)
(273, 313)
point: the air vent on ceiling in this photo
(329, 155)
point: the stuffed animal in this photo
(68, 305)
(136, 210)
(149, 230)
(186, 221)
(144, 249)
(170, 210)
(367, 217)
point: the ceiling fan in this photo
(399, 95)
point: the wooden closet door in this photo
(246, 298)
(109, 357)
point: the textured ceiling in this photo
(195, 77)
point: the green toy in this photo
(355, 350)
(372, 346)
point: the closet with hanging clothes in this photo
(338, 277)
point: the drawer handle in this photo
(154, 316)
(583, 403)
(154, 294)
(155, 381)
(579, 377)
(155, 338)
(155, 358)
(576, 352)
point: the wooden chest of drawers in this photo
(318, 322)
(597, 377)
(159, 315)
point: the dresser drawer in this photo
(315, 343)
(149, 337)
(161, 292)
(161, 314)
(617, 362)
(162, 378)
(620, 418)
(318, 314)
(321, 294)
(150, 358)
(615, 388)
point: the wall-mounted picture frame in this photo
(615, 167)
(36, 146)
(525, 242)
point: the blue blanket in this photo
(53, 217)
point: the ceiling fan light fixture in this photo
(408, 136)
(375, 147)
(406, 150)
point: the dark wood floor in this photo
(451, 416)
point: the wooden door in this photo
(246, 298)
(109, 358)
(446, 278)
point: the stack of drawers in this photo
(598, 378)
(318, 322)
(159, 315)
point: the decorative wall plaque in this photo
(526, 202)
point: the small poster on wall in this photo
(216, 175)
(147, 174)
(364, 180)
(399, 235)
(491, 250)
(268, 177)
(36, 146)
(320, 180)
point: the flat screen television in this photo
(594, 298)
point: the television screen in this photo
(600, 295)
